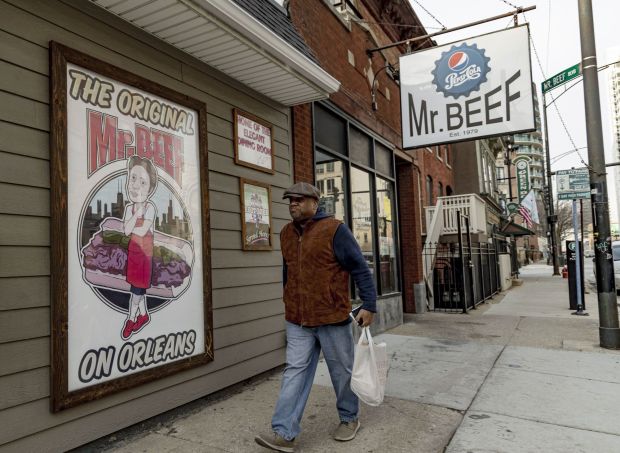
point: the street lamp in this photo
(510, 147)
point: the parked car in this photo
(615, 249)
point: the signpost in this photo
(561, 78)
(573, 184)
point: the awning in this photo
(227, 37)
(509, 228)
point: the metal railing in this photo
(463, 274)
(470, 205)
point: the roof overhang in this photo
(226, 37)
(513, 229)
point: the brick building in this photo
(350, 145)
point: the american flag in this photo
(529, 210)
(525, 213)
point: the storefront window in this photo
(330, 130)
(387, 251)
(330, 180)
(360, 146)
(356, 181)
(361, 214)
(383, 160)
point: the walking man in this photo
(319, 254)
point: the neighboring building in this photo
(532, 247)
(350, 145)
(530, 144)
(243, 55)
(476, 161)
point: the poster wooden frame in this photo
(238, 160)
(244, 245)
(61, 397)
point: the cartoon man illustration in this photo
(138, 224)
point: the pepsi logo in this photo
(458, 61)
(460, 70)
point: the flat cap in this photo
(302, 189)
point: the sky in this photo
(554, 28)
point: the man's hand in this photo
(364, 318)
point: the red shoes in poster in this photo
(136, 326)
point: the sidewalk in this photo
(519, 374)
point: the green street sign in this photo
(573, 183)
(561, 78)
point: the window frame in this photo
(350, 163)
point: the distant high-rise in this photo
(530, 144)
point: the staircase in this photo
(441, 219)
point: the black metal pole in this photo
(609, 331)
(508, 162)
(518, 10)
(581, 218)
(551, 214)
(462, 256)
(470, 265)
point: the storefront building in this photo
(350, 145)
(167, 124)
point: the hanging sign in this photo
(130, 235)
(467, 90)
(522, 164)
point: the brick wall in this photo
(303, 170)
(410, 234)
(439, 170)
(332, 42)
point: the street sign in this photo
(561, 78)
(573, 183)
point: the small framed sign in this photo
(253, 142)
(255, 215)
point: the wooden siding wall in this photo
(248, 321)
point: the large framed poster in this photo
(253, 142)
(131, 277)
(255, 215)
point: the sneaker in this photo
(275, 442)
(347, 430)
(127, 329)
(141, 321)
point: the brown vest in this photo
(317, 287)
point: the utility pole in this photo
(609, 331)
(551, 218)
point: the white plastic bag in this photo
(370, 367)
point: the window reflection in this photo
(387, 243)
(330, 180)
(361, 219)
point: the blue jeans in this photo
(303, 347)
